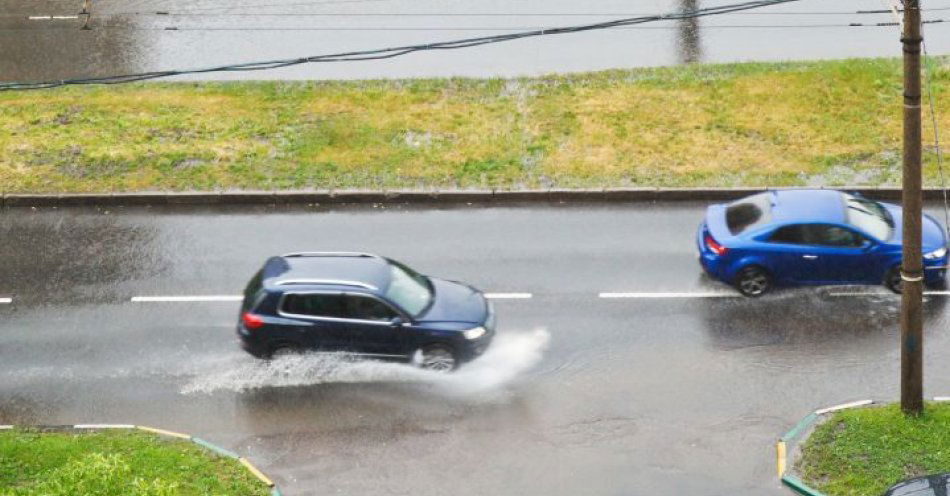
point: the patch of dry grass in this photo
(829, 123)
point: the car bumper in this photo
(935, 271)
(472, 349)
(251, 344)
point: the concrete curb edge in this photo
(450, 197)
(274, 491)
(781, 446)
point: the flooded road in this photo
(579, 394)
(127, 36)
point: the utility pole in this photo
(86, 14)
(912, 376)
(688, 41)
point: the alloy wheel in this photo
(437, 359)
(753, 282)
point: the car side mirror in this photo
(867, 245)
(397, 322)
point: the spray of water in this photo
(509, 356)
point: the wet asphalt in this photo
(129, 37)
(581, 394)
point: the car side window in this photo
(827, 235)
(794, 234)
(316, 305)
(367, 308)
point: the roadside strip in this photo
(459, 197)
(794, 435)
(250, 467)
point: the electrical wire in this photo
(192, 13)
(469, 28)
(392, 52)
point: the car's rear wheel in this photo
(284, 350)
(892, 280)
(437, 358)
(753, 281)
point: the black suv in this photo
(365, 305)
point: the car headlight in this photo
(474, 333)
(939, 253)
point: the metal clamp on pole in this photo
(906, 277)
(86, 14)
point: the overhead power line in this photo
(471, 28)
(194, 13)
(392, 52)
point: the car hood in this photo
(455, 302)
(932, 234)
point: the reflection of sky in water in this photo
(218, 31)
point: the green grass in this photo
(862, 452)
(115, 463)
(780, 124)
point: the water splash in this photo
(509, 356)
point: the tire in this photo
(283, 350)
(753, 281)
(892, 279)
(437, 358)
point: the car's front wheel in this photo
(437, 358)
(753, 281)
(892, 280)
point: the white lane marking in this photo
(860, 293)
(181, 299)
(883, 293)
(104, 426)
(6, 301)
(843, 406)
(214, 298)
(669, 295)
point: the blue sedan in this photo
(811, 237)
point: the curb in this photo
(451, 197)
(274, 491)
(793, 436)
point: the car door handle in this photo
(809, 257)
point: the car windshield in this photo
(408, 289)
(749, 212)
(869, 216)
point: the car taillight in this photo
(252, 321)
(716, 248)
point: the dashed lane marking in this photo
(230, 298)
(670, 295)
(882, 293)
(183, 299)
(6, 301)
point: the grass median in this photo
(782, 124)
(115, 463)
(863, 452)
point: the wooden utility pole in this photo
(912, 344)
(86, 14)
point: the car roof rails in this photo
(329, 254)
(328, 282)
